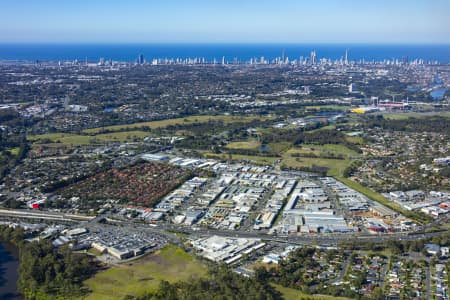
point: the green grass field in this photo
(253, 144)
(329, 107)
(256, 159)
(125, 133)
(247, 145)
(327, 127)
(75, 139)
(293, 294)
(336, 166)
(165, 123)
(355, 139)
(402, 116)
(143, 275)
(122, 136)
(279, 147)
(61, 138)
(327, 149)
(50, 136)
(14, 151)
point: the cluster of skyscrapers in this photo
(281, 60)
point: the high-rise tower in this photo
(312, 58)
(141, 59)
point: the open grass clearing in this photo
(327, 127)
(355, 139)
(265, 160)
(14, 151)
(177, 121)
(279, 147)
(254, 144)
(50, 136)
(53, 145)
(61, 138)
(402, 116)
(246, 145)
(335, 167)
(327, 149)
(324, 152)
(329, 107)
(293, 294)
(76, 139)
(140, 276)
(125, 136)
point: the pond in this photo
(438, 94)
(264, 148)
(109, 109)
(9, 265)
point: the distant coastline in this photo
(229, 52)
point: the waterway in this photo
(9, 265)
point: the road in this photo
(36, 214)
(343, 270)
(321, 240)
(428, 285)
(383, 273)
(318, 239)
(417, 257)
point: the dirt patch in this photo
(157, 259)
(147, 279)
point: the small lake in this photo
(9, 265)
(109, 109)
(438, 94)
(264, 148)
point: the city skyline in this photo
(246, 21)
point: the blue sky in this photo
(241, 21)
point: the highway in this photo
(35, 214)
(167, 229)
(302, 239)
(318, 239)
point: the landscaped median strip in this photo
(416, 216)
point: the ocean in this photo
(231, 52)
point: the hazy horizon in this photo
(229, 43)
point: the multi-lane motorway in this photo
(168, 229)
